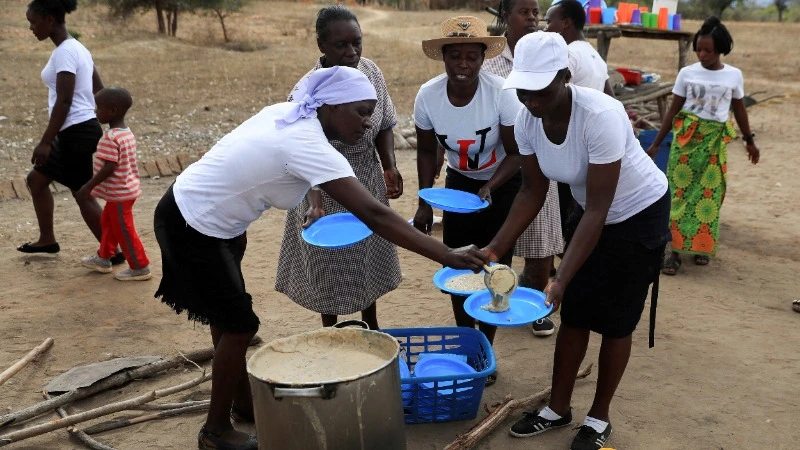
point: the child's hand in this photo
(84, 193)
(753, 153)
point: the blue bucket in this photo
(646, 138)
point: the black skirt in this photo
(201, 274)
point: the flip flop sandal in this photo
(796, 305)
(671, 265)
(210, 441)
(701, 260)
(49, 248)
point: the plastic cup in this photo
(676, 22)
(636, 18)
(609, 15)
(595, 15)
(663, 17)
(670, 21)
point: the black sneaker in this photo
(543, 327)
(532, 424)
(589, 439)
(117, 259)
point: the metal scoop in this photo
(501, 280)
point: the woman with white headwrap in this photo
(271, 160)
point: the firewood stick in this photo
(97, 412)
(165, 406)
(85, 439)
(500, 414)
(114, 424)
(107, 383)
(38, 350)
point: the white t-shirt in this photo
(71, 56)
(471, 133)
(599, 133)
(254, 168)
(708, 93)
(587, 66)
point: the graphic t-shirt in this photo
(117, 145)
(71, 56)
(471, 133)
(708, 93)
(599, 132)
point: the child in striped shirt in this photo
(116, 180)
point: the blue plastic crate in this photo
(646, 138)
(444, 399)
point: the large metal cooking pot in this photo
(299, 406)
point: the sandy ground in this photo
(724, 372)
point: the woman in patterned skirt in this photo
(703, 94)
(371, 268)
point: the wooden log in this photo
(38, 350)
(165, 406)
(500, 414)
(85, 439)
(107, 383)
(112, 408)
(115, 424)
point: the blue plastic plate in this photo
(438, 366)
(527, 305)
(452, 200)
(336, 231)
(445, 273)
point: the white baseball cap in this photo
(537, 59)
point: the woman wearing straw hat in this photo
(466, 111)
(201, 222)
(582, 137)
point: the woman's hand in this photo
(752, 152)
(312, 214)
(555, 293)
(469, 257)
(423, 219)
(652, 151)
(485, 193)
(40, 154)
(394, 183)
(83, 193)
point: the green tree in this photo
(222, 9)
(781, 6)
(166, 11)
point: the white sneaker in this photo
(543, 327)
(97, 263)
(134, 274)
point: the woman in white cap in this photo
(582, 137)
(466, 111)
(271, 160)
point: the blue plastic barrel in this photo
(646, 138)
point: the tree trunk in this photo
(162, 29)
(174, 22)
(780, 15)
(222, 22)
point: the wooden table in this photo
(604, 34)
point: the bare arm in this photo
(507, 168)
(65, 89)
(601, 185)
(391, 226)
(426, 170)
(315, 209)
(526, 206)
(740, 113)
(666, 124)
(97, 82)
(384, 143)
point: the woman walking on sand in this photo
(698, 161)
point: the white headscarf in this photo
(332, 86)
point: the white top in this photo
(71, 56)
(471, 133)
(599, 133)
(708, 93)
(253, 168)
(587, 66)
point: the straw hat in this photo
(464, 30)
